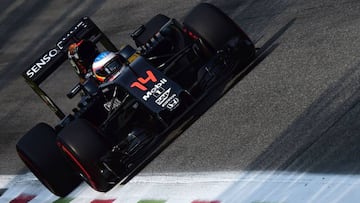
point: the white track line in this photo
(5, 180)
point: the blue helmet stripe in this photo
(101, 56)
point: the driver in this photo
(107, 66)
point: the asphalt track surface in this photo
(297, 110)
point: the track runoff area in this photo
(202, 187)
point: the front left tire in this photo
(39, 152)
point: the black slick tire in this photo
(39, 152)
(84, 147)
(215, 27)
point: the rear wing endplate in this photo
(51, 60)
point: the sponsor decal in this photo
(81, 24)
(115, 104)
(156, 91)
(45, 59)
(169, 102)
(172, 103)
(163, 97)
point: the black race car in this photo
(151, 94)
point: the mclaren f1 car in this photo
(130, 99)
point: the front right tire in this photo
(84, 146)
(216, 28)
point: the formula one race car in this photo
(132, 99)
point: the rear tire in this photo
(216, 28)
(84, 147)
(40, 154)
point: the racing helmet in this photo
(105, 65)
(81, 56)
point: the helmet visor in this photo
(109, 68)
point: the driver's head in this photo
(105, 65)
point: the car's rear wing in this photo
(47, 63)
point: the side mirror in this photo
(74, 91)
